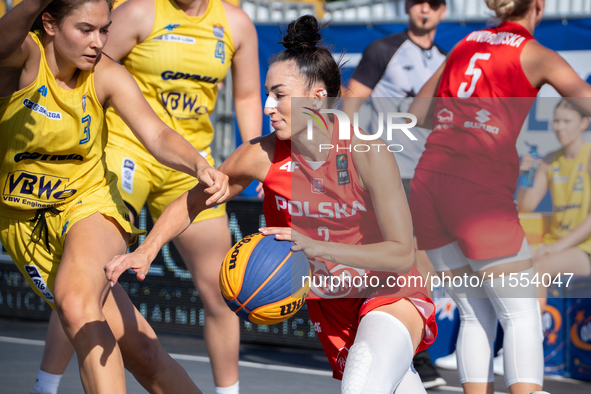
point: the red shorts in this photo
(446, 208)
(336, 322)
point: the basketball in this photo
(263, 281)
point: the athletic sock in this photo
(233, 389)
(47, 382)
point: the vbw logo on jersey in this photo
(29, 188)
(84, 103)
(580, 332)
(127, 175)
(42, 110)
(218, 31)
(185, 102)
(39, 282)
(171, 27)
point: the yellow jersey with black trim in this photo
(51, 142)
(177, 68)
(570, 185)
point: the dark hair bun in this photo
(302, 34)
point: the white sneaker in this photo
(498, 364)
(447, 362)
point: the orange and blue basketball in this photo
(263, 281)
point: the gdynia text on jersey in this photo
(394, 121)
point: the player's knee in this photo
(76, 312)
(144, 360)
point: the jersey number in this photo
(476, 73)
(220, 51)
(323, 232)
(86, 138)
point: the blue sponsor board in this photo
(567, 330)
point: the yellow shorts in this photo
(35, 262)
(142, 179)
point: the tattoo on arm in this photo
(333, 259)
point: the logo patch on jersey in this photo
(176, 38)
(483, 116)
(127, 174)
(171, 27)
(343, 176)
(318, 186)
(218, 31)
(36, 190)
(445, 116)
(45, 157)
(578, 187)
(342, 162)
(166, 75)
(42, 110)
(84, 103)
(409, 67)
(43, 90)
(39, 282)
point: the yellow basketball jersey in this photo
(52, 142)
(570, 186)
(177, 68)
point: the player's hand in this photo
(527, 162)
(299, 242)
(136, 261)
(217, 185)
(546, 250)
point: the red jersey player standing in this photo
(462, 203)
(347, 220)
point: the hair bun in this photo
(302, 34)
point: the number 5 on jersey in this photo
(473, 71)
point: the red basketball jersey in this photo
(484, 98)
(327, 204)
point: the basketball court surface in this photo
(263, 369)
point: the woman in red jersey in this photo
(462, 199)
(351, 221)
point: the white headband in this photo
(271, 102)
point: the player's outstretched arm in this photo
(544, 66)
(380, 176)
(14, 28)
(115, 86)
(529, 199)
(245, 73)
(182, 211)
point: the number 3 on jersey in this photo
(473, 71)
(220, 51)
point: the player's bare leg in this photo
(203, 247)
(80, 291)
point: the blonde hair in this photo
(509, 9)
